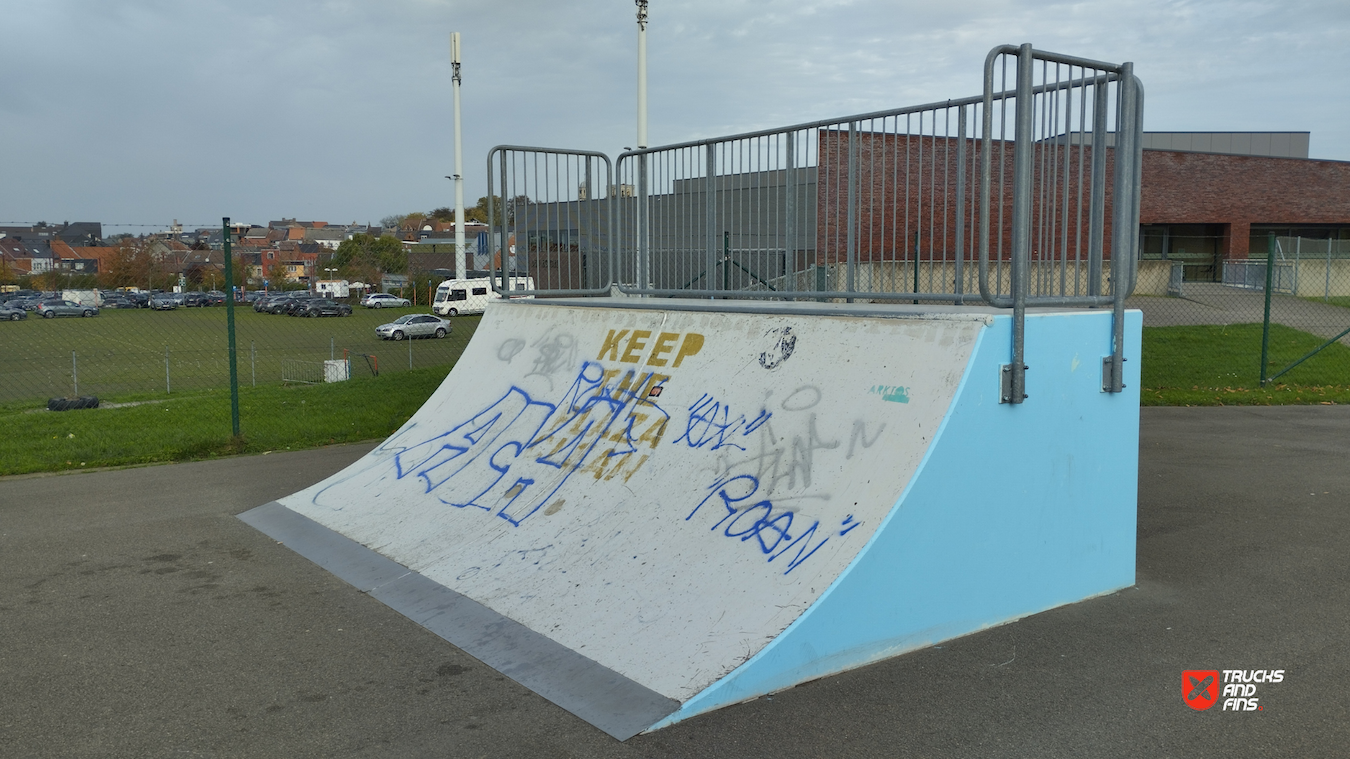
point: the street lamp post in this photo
(644, 253)
(459, 159)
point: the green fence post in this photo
(1265, 326)
(229, 321)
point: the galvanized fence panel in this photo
(908, 205)
(1055, 213)
(552, 221)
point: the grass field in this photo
(1220, 365)
(121, 354)
(1191, 366)
(196, 425)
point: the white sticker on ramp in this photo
(662, 492)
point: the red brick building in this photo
(1205, 197)
(1201, 208)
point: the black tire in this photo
(70, 404)
(48, 314)
(14, 317)
(452, 312)
(87, 313)
(311, 314)
(440, 332)
(398, 335)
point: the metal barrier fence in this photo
(1304, 324)
(1000, 199)
(1250, 274)
(553, 218)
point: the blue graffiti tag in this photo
(525, 449)
(710, 421)
(770, 527)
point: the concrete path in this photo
(140, 618)
(1212, 303)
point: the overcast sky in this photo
(140, 112)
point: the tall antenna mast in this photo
(642, 74)
(459, 163)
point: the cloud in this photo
(149, 110)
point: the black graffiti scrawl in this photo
(784, 342)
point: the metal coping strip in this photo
(606, 699)
(982, 314)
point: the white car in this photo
(385, 300)
(414, 325)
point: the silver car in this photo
(414, 325)
(12, 313)
(54, 307)
(385, 300)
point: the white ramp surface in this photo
(660, 492)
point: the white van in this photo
(471, 296)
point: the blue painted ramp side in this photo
(1015, 509)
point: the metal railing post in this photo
(790, 210)
(958, 286)
(1097, 199)
(1124, 216)
(1015, 386)
(851, 243)
(710, 214)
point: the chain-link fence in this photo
(1303, 327)
(120, 345)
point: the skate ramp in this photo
(643, 510)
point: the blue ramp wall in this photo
(1016, 509)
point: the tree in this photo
(240, 271)
(511, 208)
(129, 265)
(276, 275)
(443, 214)
(366, 258)
(391, 222)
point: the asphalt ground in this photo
(140, 618)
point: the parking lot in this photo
(141, 618)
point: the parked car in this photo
(322, 307)
(292, 304)
(163, 302)
(215, 298)
(414, 325)
(54, 307)
(194, 300)
(11, 313)
(263, 301)
(119, 301)
(27, 303)
(385, 300)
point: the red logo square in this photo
(1200, 688)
